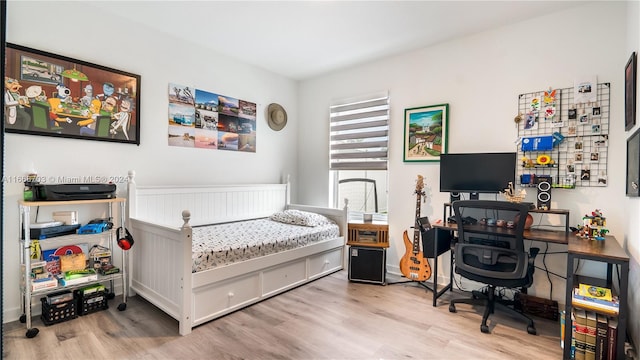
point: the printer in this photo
(61, 192)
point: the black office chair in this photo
(493, 255)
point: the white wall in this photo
(159, 59)
(480, 77)
(632, 205)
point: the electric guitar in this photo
(413, 265)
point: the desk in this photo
(550, 236)
(447, 208)
(609, 252)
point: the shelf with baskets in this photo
(64, 294)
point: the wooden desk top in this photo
(606, 249)
(550, 236)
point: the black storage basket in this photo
(428, 239)
(90, 303)
(57, 313)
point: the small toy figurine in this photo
(593, 226)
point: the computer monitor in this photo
(477, 172)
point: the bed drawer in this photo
(225, 296)
(283, 276)
(325, 262)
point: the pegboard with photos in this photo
(576, 120)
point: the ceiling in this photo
(304, 39)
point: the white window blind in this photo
(360, 133)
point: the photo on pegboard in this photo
(531, 120)
(602, 179)
(585, 90)
(583, 119)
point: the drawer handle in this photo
(231, 294)
(327, 262)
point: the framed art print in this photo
(425, 132)
(53, 95)
(630, 93)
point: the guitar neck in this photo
(416, 227)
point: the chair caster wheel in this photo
(531, 330)
(122, 307)
(452, 308)
(23, 318)
(484, 329)
(31, 333)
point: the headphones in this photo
(125, 240)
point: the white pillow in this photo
(299, 217)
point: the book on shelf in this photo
(608, 307)
(573, 335)
(75, 277)
(580, 333)
(595, 292)
(590, 338)
(612, 336)
(601, 336)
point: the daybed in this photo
(165, 271)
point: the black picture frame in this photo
(630, 71)
(633, 164)
(63, 97)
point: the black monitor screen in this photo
(477, 172)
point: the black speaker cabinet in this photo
(543, 183)
(454, 195)
(367, 264)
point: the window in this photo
(358, 153)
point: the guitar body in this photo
(414, 266)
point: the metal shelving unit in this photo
(25, 255)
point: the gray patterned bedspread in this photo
(222, 244)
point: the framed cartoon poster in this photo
(425, 132)
(53, 95)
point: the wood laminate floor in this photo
(330, 318)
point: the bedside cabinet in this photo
(368, 243)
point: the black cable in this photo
(546, 270)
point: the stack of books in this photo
(40, 278)
(597, 299)
(75, 277)
(594, 336)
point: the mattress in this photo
(223, 244)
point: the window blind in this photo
(360, 133)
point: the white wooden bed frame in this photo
(160, 260)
